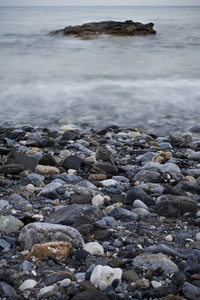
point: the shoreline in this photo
(124, 198)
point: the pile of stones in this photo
(112, 214)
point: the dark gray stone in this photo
(40, 233)
(137, 193)
(11, 169)
(68, 214)
(28, 162)
(120, 213)
(147, 176)
(8, 290)
(160, 292)
(190, 291)
(72, 162)
(46, 141)
(47, 160)
(90, 295)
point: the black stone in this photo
(72, 162)
(47, 160)
(80, 254)
(46, 141)
(28, 162)
(11, 169)
(137, 193)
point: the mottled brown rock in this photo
(95, 29)
(60, 250)
(162, 157)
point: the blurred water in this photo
(121, 80)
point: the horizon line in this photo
(99, 5)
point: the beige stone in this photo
(98, 177)
(46, 170)
(162, 157)
(60, 250)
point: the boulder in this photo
(67, 215)
(95, 29)
(40, 233)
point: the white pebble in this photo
(65, 282)
(30, 188)
(94, 248)
(67, 128)
(156, 284)
(97, 200)
(169, 238)
(109, 182)
(198, 236)
(27, 285)
(48, 289)
(139, 204)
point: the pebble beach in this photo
(108, 213)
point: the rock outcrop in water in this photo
(94, 29)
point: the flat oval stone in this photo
(46, 170)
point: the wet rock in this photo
(35, 233)
(94, 29)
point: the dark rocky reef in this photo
(94, 29)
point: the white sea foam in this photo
(120, 79)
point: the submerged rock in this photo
(94, 29)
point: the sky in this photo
(99, 2)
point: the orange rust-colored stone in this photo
(60, 250)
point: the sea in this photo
(123, 81)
